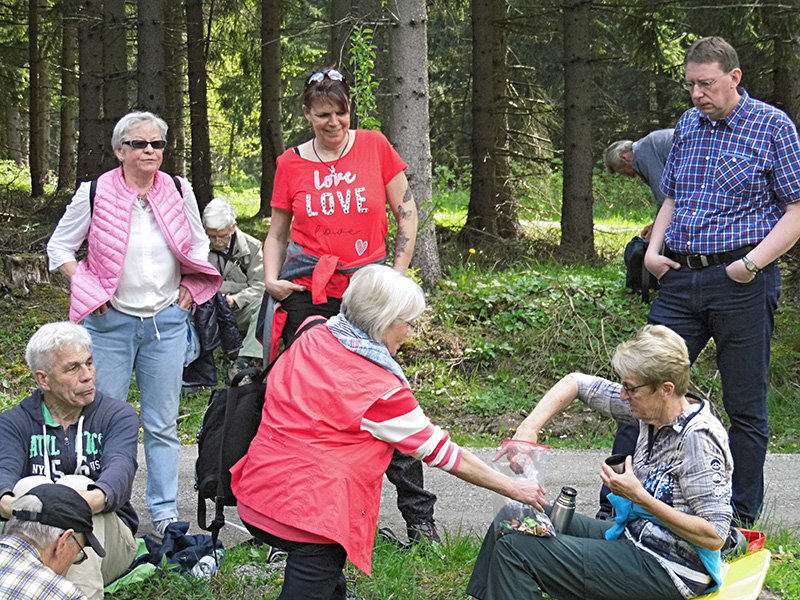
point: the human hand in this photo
(5, 505)
(646, 232)
(530, 492)
(95, 498)
(739, 273)
(103, 308)
(625, 484)
(519, 453)
(185, 299)
(280, 289)
(231, 302)
(658, 264)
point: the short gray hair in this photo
(39, 534)
(218, 214)
(378, 296)
(611, 156)
(131, 120)
(49, 338)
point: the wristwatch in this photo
(750, 265)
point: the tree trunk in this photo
(38, 137)
(115, 72)
(410, 132)
(174, 155)
(198, 104)
(339, 43)
(150, 61)
(91, 143)
(69, 97)
(577, 223)
(492, 209)
(13, 135)
(271, 124)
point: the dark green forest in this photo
(227, 75)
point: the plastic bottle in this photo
(208, 565)
(563, 509)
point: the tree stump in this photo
(23, 270)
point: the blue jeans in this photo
(155, 348)
(740, 317)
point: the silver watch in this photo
(750, 265)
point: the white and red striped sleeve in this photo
(397, 419)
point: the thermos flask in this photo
(563, 509)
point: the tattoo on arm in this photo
(407, 197)
(404, 215)
(400, 243)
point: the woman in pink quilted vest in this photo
(145, 268)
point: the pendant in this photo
(333, 169)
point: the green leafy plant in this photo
(362, 56)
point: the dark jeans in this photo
(404, 472)
(573, 566)
(313, 571)
(740, 317)
(624, 443)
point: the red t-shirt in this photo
(342, 214)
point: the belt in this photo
(701, 261)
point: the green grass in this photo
(506, 322)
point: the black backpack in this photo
(230, 423)
(636, 271)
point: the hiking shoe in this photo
(603, 515)
(425, 531)
(276, 555)
(388, 534)
(160, 527)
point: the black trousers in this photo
(313, 571)
(405, 472)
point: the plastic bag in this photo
(521, 460)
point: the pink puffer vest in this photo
(96, 279)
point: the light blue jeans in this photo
(155, 347)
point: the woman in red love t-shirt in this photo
(332, 193)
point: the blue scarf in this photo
(355, 340)
(626, 511)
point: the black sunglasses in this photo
(331, 74)
(142, 144)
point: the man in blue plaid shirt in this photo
(732, 182)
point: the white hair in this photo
(49, 338)
(218, 215)
(611, 155)
(131, 120)
(378, 296)
(39, 534)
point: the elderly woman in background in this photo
(336, 407)
(145, 267)
(332, 192)
(672, 502)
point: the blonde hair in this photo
(656, 355)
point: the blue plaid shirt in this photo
(730, 181)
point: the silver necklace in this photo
(333, 166)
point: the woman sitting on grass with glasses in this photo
(672, 501)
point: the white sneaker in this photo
(160, 527)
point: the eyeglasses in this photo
(142, 144)
(81, 557)
(632, 390)
(331, 74)
(703, 85)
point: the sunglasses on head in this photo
(142, 144)
(331, 74)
